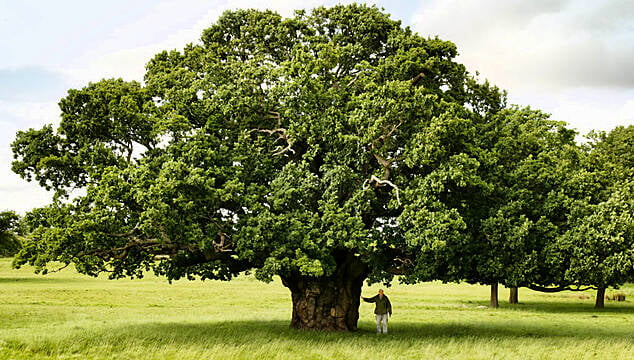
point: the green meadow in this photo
(66, 315)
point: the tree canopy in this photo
(598, 246)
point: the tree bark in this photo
(328, 303)
(600, 301)
(494, 296)
(513, 295)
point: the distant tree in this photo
(590, 244)
(9, 230)
(507, 222)
(525, 149)
(600, 243)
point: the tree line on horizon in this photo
(330, 148)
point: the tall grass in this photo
(66, 315)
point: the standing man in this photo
(382, 308)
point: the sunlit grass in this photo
(66, 315)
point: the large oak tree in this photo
(327, 148)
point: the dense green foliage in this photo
(275, 144)
(599, 244)
(509, 222)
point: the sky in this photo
(573, 59)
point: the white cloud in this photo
(584, 109)
(625, 115)
(126, 49)
(17, 115)
(535, 44)
(169, 25)
(569, 58)
(15, 193)
(18, 195)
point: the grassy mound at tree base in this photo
(66, 315)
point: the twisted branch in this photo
(385, 163)
(121, 252)
(400, 269)
(220, 245)
(417, 78)
(378, 183)
(281, 134)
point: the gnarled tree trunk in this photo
(600, 300)
(513, 295)
(328, 303)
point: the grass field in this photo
(66, 315)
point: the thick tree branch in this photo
(127, 147)
(559, 288)
(163, 246)
(59, 269)
(122, 251)
(126, 234)
(385, 136)
(384, 162)
(386, 165)
(130, 149)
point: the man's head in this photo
(381, 292)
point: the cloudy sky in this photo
(573, 59)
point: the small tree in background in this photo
(600, 243)
(9, 230)
(590, 246)
(522, 157)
